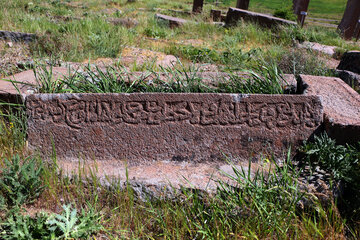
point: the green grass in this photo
(330, 9)
(266, 204)
(87, 35)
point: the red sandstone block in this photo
(341, 106)
(144, 127)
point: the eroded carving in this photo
(77, 113)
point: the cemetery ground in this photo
(104, 40)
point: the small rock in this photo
(9, 44)
(317, 47)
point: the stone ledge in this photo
(341, 106)
(236, 14)
(17, 36)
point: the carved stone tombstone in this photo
(215, 15)
(146, 127)
(242, 4)
(198, 6)
(350, 19)
(300, 6)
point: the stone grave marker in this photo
(242, 4)
(198, 6)
(190, 127)
(350, 19)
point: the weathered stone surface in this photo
(162, 179)
(17, 36)
(126, 22)
(215, 15)
(198, 6)
(317, 47)
(25, 82)
(350, 62)
(351, 79)
(242, 4)
(350, 19)
(341, 106)
(138, 56)
(235, 14)
(142, 128)
(173, 21)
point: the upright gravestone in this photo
(198, 6)
(242, 4)
(350, 19)
(300, 6)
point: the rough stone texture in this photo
(17, 36)
(317, 47)
(350, 62)
(25, 82)
(350, 19)
(142, 127)
(351, 79)
(341, 106)
(215, 15)
(162, 179)
(173, 21)
(127, 22)
(198, 6)
(138, 56)
(235, 14)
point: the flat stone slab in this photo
(236, 14)
(17, 36)
(185, 127)
(25, 81)
(317, 47)
(173, 21)
(341, 106)
(162, 178)
(350, 62)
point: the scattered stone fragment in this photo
(350, 61)
(17, 36)
(317, 47)
(173, 21)
(236, 14)
(127, 22)
(131, 55)
(9, 44)
(25, 82)
(341, 106)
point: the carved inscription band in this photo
(78, 113)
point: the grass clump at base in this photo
(180, 79)
(263, 204)
(342, 162)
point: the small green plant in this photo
(70, 224)
(20, 181)
(285, 13)
(67, 225)
(343, 162)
